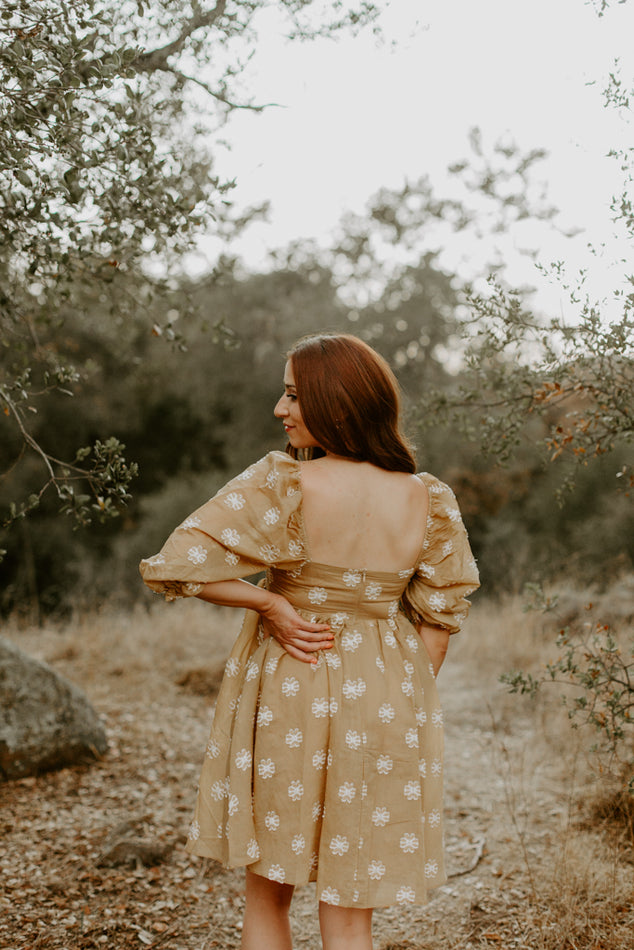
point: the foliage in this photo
(105, 171)
(573, 375)
(598, 671)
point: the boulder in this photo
(45, 721)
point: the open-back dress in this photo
(328, 772)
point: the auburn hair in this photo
(350, 401)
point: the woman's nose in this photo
(280, 409)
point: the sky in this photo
(355, 115)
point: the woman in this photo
(325, 757)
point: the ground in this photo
(93, 855)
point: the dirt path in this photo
(506, 803)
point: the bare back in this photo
(358, 515)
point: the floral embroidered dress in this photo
(328, 772)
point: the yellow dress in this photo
(329, 772)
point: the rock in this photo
(203, 680)
(45, 721)
(122, 849)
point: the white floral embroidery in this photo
(411, 739)
(290, 686)
(347, 792)
(295, 548)
(317, 811)
(408, 667)
(422, 767)
(376, 870)
(295, 790)
(246, 474)
(194, 831)
(265, 716)
(235, 501)
(434, 819)
(453, 514)
(353, 689)
(218, 791)
(232, 558)
(338, 619)
(436, 767)
(272, 478)
(197, 554)
(447, 548)
(330, 895)
(266, 768)
(317, 595)
(243, 759)
(407, 687)
(192, 589)
(386, 712)
(353, 739)
(436, 718)
(380, 817)
(294, 738)
(384, 764)
(252, 671)
(364, 790)
(426, 569)
(233, 667)
(253, 850)
(339, 844)
(351, 641)
(408, 843)
(412, 643)
(373, 591)
(298, 844)
(351, 578)
(437, 601)
(192, 522)
(319, 707)
(233, 805)
(411, 790)
(389, 639)
(269, 553)
(271, 664)
(333, 706)
(333, 660)
(156, 559)
(271, 516)
(405, 895)
(272, 820)
(213, 749)
(421, 717)
(230, 538)
(276, 873)
(380, 664)
(431, 868)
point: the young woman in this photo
(325, 757)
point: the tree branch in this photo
(157, 58)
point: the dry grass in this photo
(554, 874)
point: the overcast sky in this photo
(356, 115)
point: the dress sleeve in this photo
(250, 524)
(447, 572)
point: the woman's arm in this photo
(436, 640)
(300, 638)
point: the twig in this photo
(479, 852)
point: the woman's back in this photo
(358, 515)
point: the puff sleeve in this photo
(250, 524)
(447, 571)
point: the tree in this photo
(106, 170)
(574, 376)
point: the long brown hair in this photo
(349, 400)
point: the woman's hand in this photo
(300, 638)
(436, 640)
